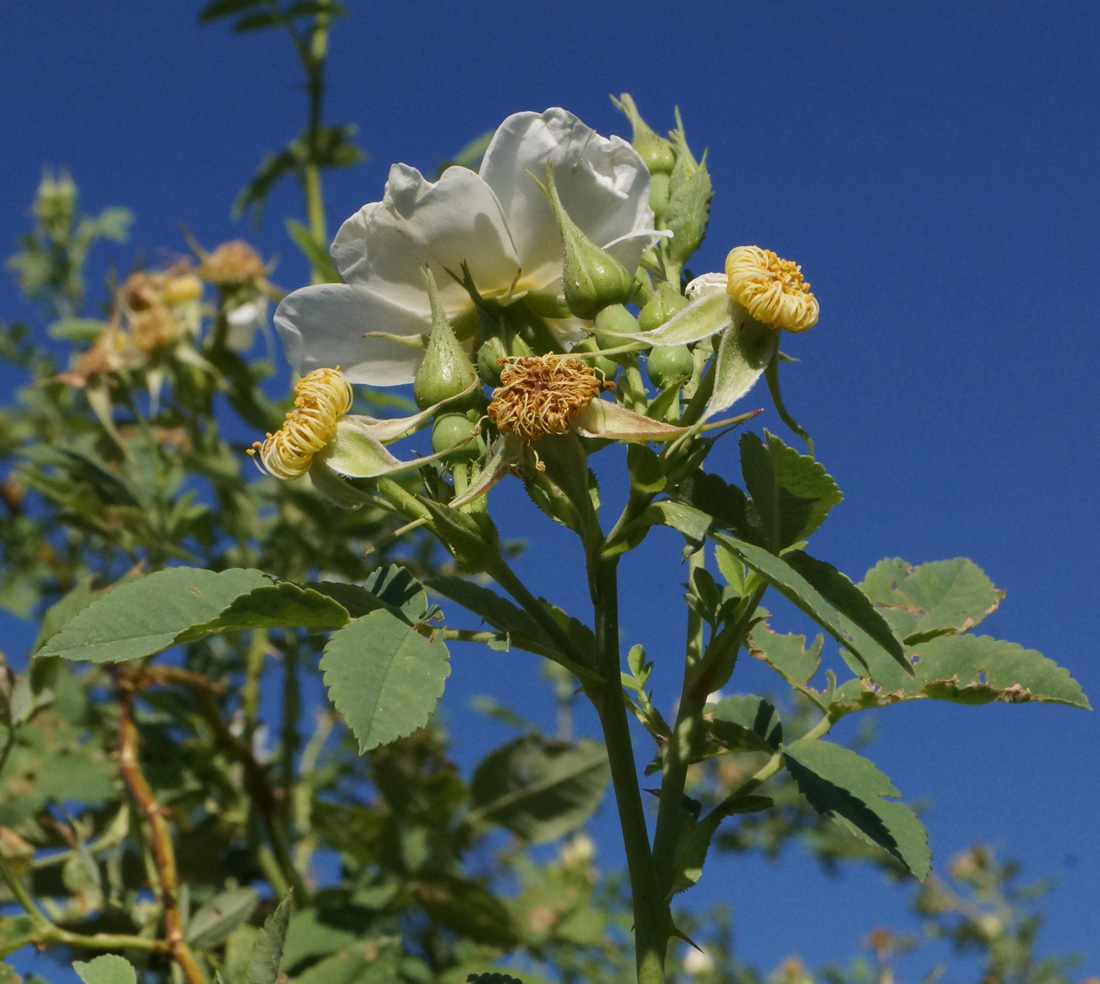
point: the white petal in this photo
(322, 326)
(439, 224)
(603, 183)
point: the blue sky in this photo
(932, 166)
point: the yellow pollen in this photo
(770, 288)
(542, 394)
(321, 399)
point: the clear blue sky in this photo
(933, 167)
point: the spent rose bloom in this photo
(496, 222)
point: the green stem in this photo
(652, 921)
(771, 374)
(291, 713)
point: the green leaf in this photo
(143, 617)
(384, 677)
(793, 586)
(849, 789)
(786, 654)
(257, 22)
(744, 351)
(938, 598)
(492, 978)
(267, 955)
(17, 932)
(966, 669)
(373, 960)
(853, 604)
(273, 606)
(390, 587)
(538, 788)
(792, 492)
(746, 722)
(315, 252)
(694, 841)
(311, 8)
(466, 908)
(211, 925)
(61, 612)
(223, 8)
(499, 612)
(107, 969)
(691, 522)
(726, 504)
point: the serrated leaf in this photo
(538, 788)
(107, 969)
(977, 669)
(856, 608)
(937, 598)
(466, 908)
(792, 492)
(725, 503)
(267, 955)
(786, 654)
(144, 617)
(746, 722)
(273, 606)
(850, 790)
(384, 677)
(793, 586)
(211, 925)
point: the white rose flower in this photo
(496, 222)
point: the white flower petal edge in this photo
(497, 222)
(334, 317)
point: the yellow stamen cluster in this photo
(542, 394)
(321, 399)
(771, 289)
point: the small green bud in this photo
(689, 196)
(617, 320)
(658, 194)
(669, 364)
(665, 302)
(657, 152)
(446, 370)
(592, 278)
(603, 365)
(455, 433)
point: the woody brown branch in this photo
(163, 851)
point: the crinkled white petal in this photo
(441, 224)
(322, 326)
(603, 183)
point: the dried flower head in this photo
(771, 289)
(542, 394)
(233, 263)
(321, 399)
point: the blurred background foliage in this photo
(123, 453)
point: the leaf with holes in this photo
(939, 598)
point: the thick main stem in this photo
(651, 916)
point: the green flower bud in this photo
(446, 371)
(617, 320)
(665, 302)
(657, 152)
(669, 365)
(658, 195)
(455, 433)
(592, 278)
(689, 195)
(603, 365)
